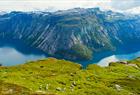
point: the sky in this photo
(51, 5)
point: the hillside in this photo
(59, 77)
(74, 34)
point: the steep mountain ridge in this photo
(72, 34)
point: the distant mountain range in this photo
(73, 34)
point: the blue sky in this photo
(29, 5)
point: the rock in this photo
(118, 87)
(133, 65)
(59, 89)
(123, 62)
(71, 74)
(131, 76)
(40, 92)
(47, 87)
(71, 87)
(74, 83)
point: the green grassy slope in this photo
(59, 77)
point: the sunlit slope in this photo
(59, 77)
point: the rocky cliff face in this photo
(71, 34)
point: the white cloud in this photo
(29, 5)
(125, 4)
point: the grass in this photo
(59, 77)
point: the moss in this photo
(59, 77)
(13, 89)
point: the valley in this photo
(80, 35)
(74, 34)
(69, 47)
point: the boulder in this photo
(59, 89)
(118, 87)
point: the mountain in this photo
(3, 12)
(74, 34)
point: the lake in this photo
(114, 58)
(11, 56)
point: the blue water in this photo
(114, 58)
(11, 56)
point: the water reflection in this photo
(10, 56)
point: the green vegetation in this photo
(82, 51)
(59, 77)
